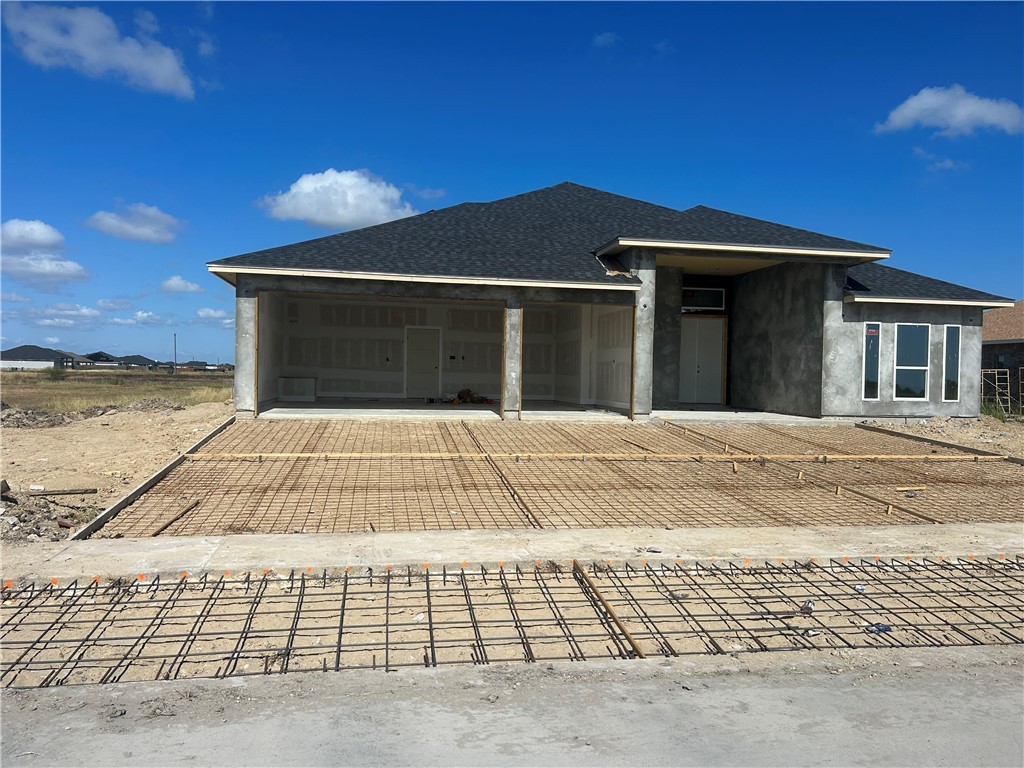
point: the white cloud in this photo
(14, 298)
(206, 47)
(664, 48)
(71, 310)
(955, 111)
(178, 284)
(339, 199)
(113, 304)
(605, 40)
(206, 10)
(211, 314)
(51, 340)
(21, 236)
(32, 254)
(87, 41)
(146, 22)
(936, 163)
(427, 193)
(215, 317)
(141, 317)
(63, 316)
(139, 222)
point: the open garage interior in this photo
(360, 476)
(329, 351)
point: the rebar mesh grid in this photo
(343, 477)
(219, 627)
(321, 496)
(341, 437)
(814, 440)
(601, 494)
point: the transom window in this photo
(911, 378)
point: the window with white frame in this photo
(910, 381)
(870, 380)
(951, 365)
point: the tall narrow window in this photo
(911, 379)
(951, 365)
(871, 361)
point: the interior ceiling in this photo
(713, 265)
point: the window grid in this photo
(897, 367)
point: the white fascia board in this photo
(622, 243)
(850, 299)
(224, 272)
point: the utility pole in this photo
(174, 366)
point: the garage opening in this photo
(329, 350)
(577, 354)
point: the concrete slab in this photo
(880, 707)
(377, 410)
(171, 555)
(722, 413)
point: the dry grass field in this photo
(71, 391)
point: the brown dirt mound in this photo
(22, 418)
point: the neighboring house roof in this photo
(1006, 324)
(548, 235)
(136, 360)
(103, 357)
(868, 282)
(32, 352)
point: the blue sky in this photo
(142, 140)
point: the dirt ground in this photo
(109, 449)
(986, 433)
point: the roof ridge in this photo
(777, 224)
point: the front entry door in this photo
(702, 360)
(422, 362)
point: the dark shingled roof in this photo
(546, 235)
(878, 280)
(32, 352)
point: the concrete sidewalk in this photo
(170, 556)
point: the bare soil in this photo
(986, 433)
(111, 449)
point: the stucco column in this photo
(512, 350)
(642, 263)
(245, 349)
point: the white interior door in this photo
(423, 362)
(701, 346)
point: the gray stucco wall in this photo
(668, 303)
(641, 261)
(775, 339)
(245, 349)
(843, 358)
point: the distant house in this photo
(580, 296)
(1002, 346)
(31, 357)
(104, 360)
(137, 361)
